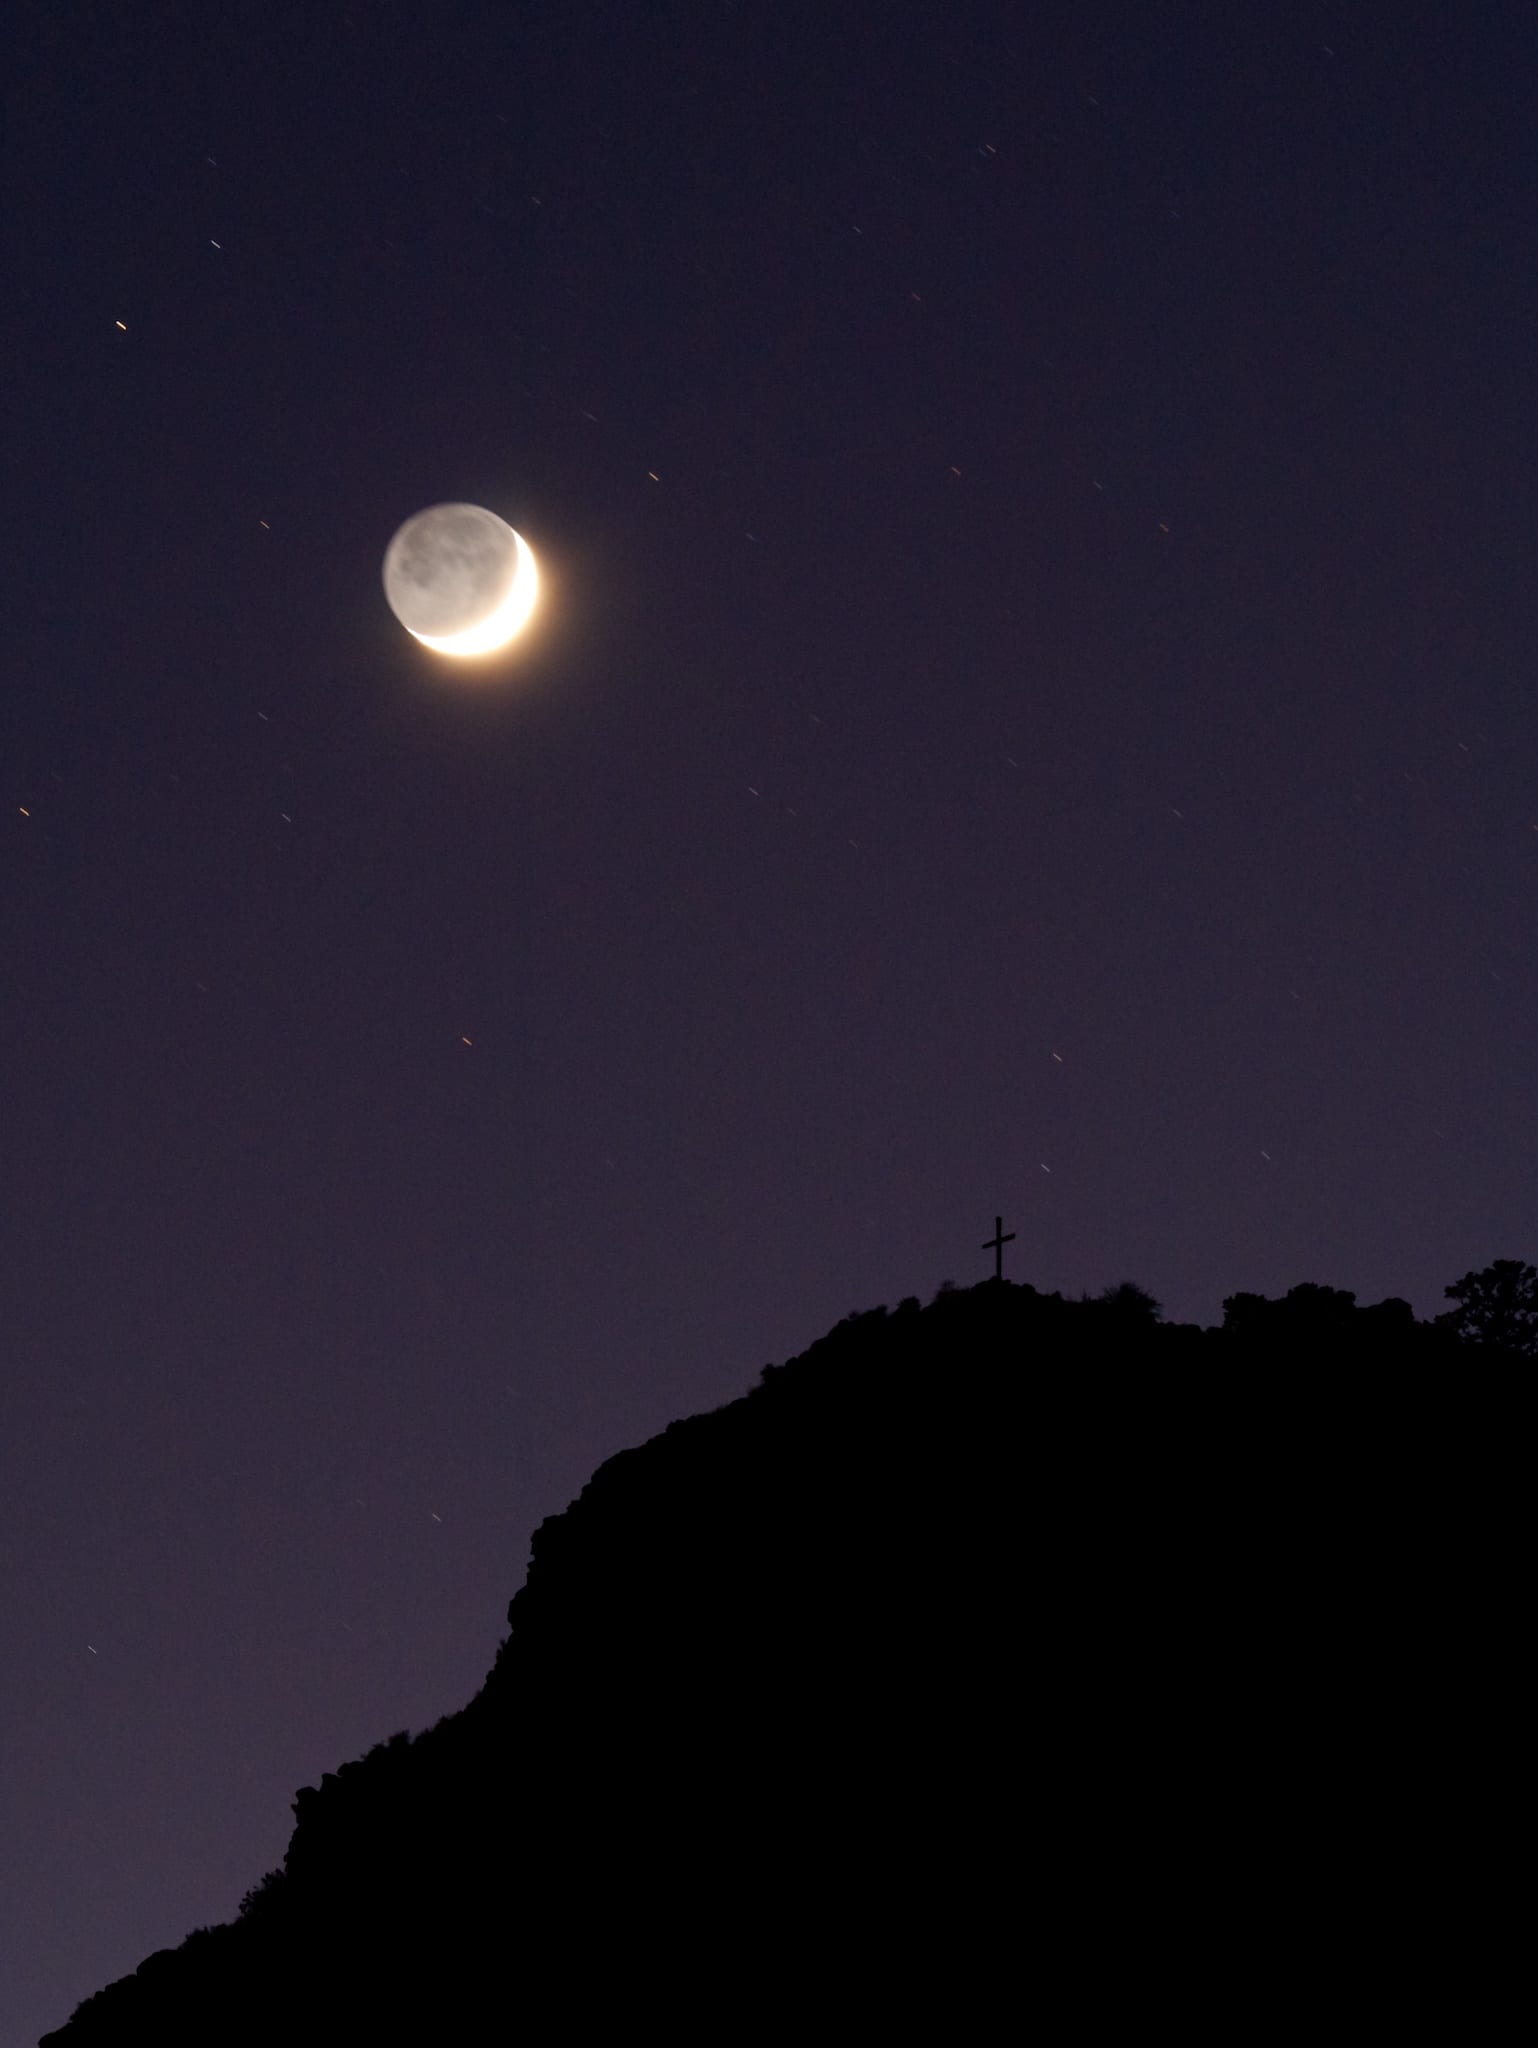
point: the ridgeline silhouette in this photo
(1005, 1657)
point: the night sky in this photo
(1031, 711)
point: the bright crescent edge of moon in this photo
(500, 626)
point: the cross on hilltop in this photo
(996, 1244)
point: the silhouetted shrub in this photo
(261, 1897)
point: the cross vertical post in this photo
(996, 1244)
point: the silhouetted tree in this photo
(1393, 1321)
(1498, 1305)
(1127, 1299)
(1308, 1312)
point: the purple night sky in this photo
(1032, 712)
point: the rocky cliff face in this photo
(990, 1654)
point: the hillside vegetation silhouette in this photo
(1007, 1658)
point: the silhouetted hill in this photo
(1002, 1659)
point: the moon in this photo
(460, 579)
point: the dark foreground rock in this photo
(1002, 1661)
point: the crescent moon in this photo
(502, 625)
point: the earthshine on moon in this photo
(460, 580)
